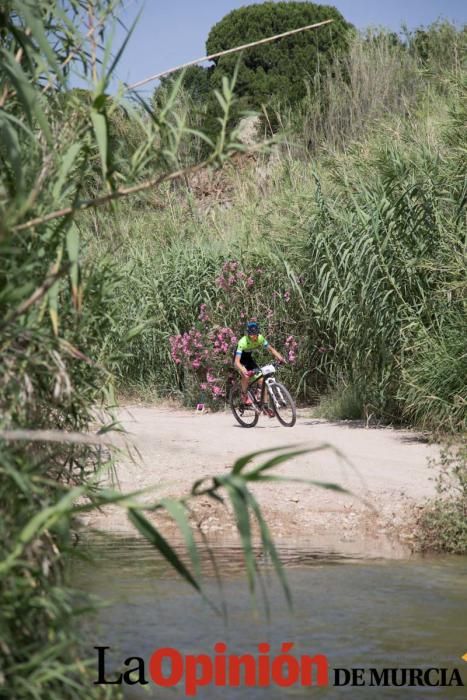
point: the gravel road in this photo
(385, 467)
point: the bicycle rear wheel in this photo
(282, 404)
(244, 414)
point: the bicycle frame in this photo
(267, 379)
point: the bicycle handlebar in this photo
(275, 363)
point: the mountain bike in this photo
(271, 399)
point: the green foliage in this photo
(199, 106)
(39, 613)
(232, 489)
(343, 403)
(434, 382)
(55, 317)
(442, 525)
(277, 70)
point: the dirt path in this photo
(387, 467)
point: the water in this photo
(358, 612)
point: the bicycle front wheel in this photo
(244, 414)
(282, 404)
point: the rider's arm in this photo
(276, 354)
(238, 354)
(243, 370)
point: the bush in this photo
(443, 521)
(345, 403)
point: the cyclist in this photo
(244, 361)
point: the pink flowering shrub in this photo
(206, 351)
(188, 349)
(206, 355)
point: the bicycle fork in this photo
(274, 394)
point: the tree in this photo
(279, 69)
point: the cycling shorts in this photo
(246, 359)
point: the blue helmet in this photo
(252, 328)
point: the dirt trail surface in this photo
(386, 467)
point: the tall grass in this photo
(375, 78)
(382, 74)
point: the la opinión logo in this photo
(168, 667)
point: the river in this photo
(359, 612)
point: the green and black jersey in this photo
(245, 348)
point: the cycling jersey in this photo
(247, 345)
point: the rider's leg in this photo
(244, 383)
(258, 388)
